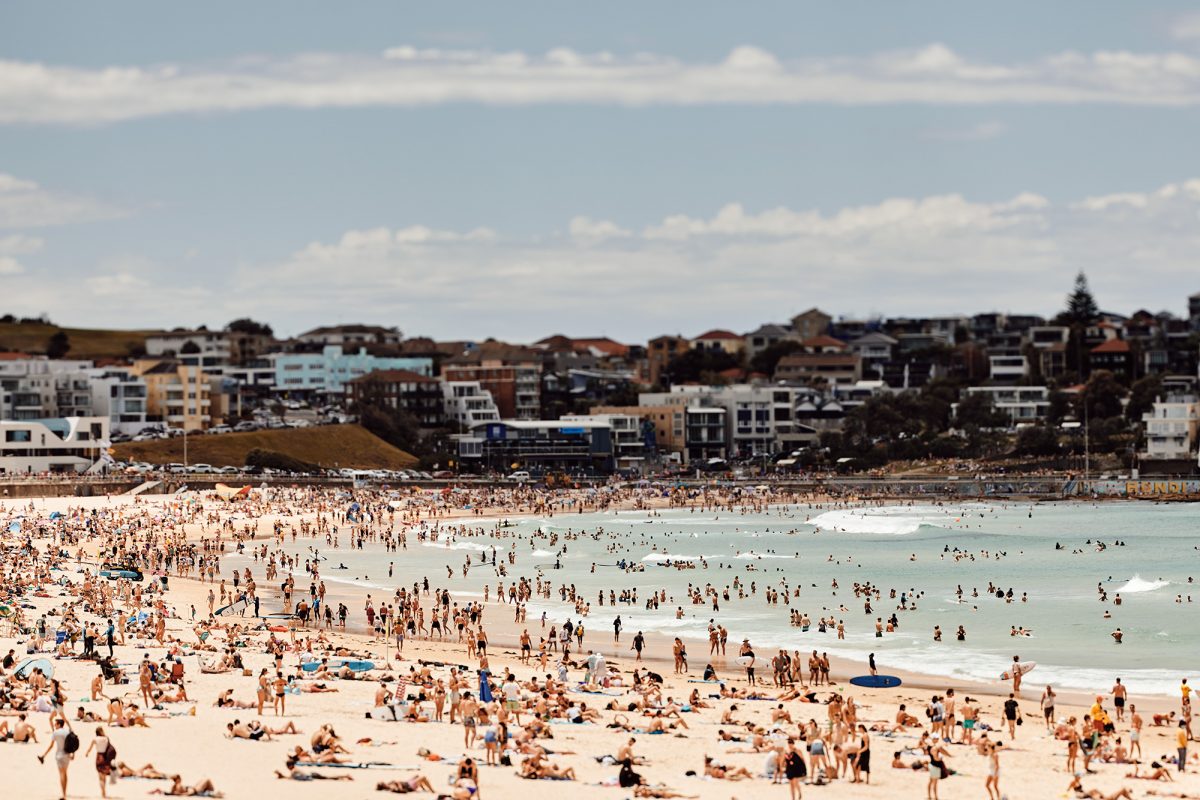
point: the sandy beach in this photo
(189, 737)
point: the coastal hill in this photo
(85, 343)
(327, 446)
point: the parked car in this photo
(220, 429)
(176, 469)
(244, 426)
(202, 469)
(520, 476)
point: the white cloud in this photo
(32, 92)
(24, 204)
(739, 267)
(588, 229)
(1186, 27)
(979, 132)
(13, 246)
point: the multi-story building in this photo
(813, 368)
(808, 324)
(350, 336)
(704, 434)
(873, 349)
(1021, 404)
(466, 404)
(660, 352)
(1171, 427)
(764, 336)
(1194, 312)
(419, 395)
(199, 348)
(38, 388)
(326, 373)
(121, 395)
(179, 395)
(513, 375)
(1007, 369)
(720, 341)
(70, 444)
(666, 421)
(539, 446)
(1114, 355)
(628, 438)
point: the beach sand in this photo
(1032, 766)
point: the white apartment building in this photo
(37, 388)
(204, 349)
(468, 404)
(71, 444)
(1171, 428)
(758, 418)
(1007, 369)
(121, 396)
(1022, 404)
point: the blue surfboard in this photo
(876, 681)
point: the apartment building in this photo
(199, 348)
(1021, 404)
(70, 444)
(466, 404)
(408, 391)
(350, 336)
(1171, 428)
(181, 396)
(513, 375)
(326, 373)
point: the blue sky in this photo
(629, 169)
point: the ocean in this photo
(1145, 553)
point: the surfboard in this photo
(744, 661)
(1026, 668)
(876, 681)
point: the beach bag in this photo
(71, 743)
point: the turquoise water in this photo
(893, 547)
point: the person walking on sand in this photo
(992, 783)
(61, 741)
(1012, 715)
(105, 755)
(1119, 694)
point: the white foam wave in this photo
(443, 544)
(880, 521)
(1138, 584)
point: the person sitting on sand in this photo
(415, 783)
(20, 731)
(204, 788)
(536, 768)
(325, 740)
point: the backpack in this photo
(71, 743)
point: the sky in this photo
(474, 169)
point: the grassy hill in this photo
(88, 343)
(326, 445)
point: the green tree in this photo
(1102, 395)
(58, 345)
(976, 411)
(767, 359)
(1037, 440)
(1141, 397)
(694, 365)
(249, 326)
(1081, 305)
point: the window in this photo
(17, 436)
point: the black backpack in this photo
(71, 743)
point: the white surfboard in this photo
(1026, 668)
